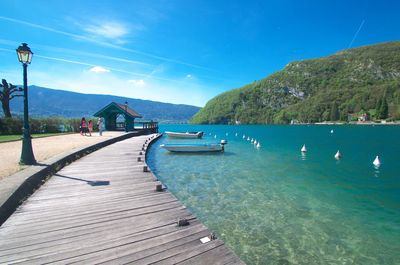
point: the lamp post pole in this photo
(126, 112)
(27, 157)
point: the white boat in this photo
(377, 162)
(190, 135)
(338, 155)
(194, 148)
(304, 149)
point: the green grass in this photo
(6, 138)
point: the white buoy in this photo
(252, 140)
(255, 142)
(235, 134)
(377, 162)
(331, 131)
(215, 136)
(244, 136)
(304, 149)
(248, 138)
(338, 155)
(258, 146)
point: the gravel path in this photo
(44, 148)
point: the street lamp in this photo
(25, 57)
(126, 111)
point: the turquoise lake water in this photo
(275, 206)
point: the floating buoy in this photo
(338, 155)
(304, 149)
(244, 136)
(248, 138)
(215, 136)
(255, 142)
(252, 140)
(235, 134)
(331, 131)
(377, 162)
(258, 146)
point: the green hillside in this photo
(352, 81)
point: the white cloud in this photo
(108, 29)
(99, 69)
(139, 82)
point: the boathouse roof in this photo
(117, 108)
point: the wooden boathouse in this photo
(120, 117)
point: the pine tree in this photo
(334, 115)
(383, 112)
(378, 108)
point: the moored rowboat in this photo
(186, 135)
(193, 148)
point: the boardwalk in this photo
(104, 209)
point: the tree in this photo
(334, 115)
(6, 95)
(382, 112)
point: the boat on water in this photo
(186, 135)
(195, 148)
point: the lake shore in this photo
(357, 123)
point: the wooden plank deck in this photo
(104, 209)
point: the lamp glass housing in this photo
(24, 54)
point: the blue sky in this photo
(180, 51)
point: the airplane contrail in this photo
(150, 75)
(108, 68)
(93, 65)
(77, 52)
(103, 43)
(355, 35)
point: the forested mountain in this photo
(353, 81)
(46, 102)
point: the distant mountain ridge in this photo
(352, 81)
(46, 102)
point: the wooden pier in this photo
(104, 208)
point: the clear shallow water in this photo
(275, 206)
